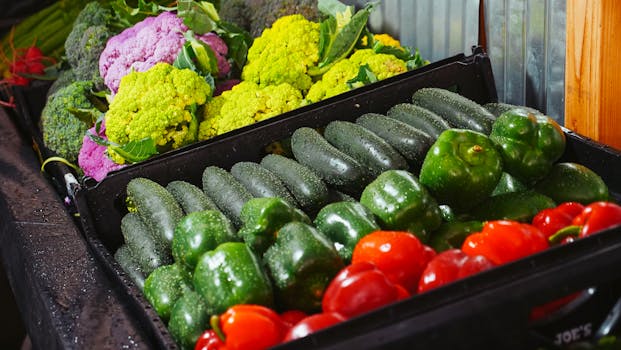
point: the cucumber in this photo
(261, 182)
(332, 165)
(364, 146)
(149, 252)
(409, 141)
(498, 108)
(573, 182)
(420, 118)
(228, 193)
(458, 110)
(156, 207)
(190, 197)
(307, 188)
(127, 262)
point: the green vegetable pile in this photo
(276, 231)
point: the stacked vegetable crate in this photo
(489, 309)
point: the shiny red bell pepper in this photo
(291, 317)
(311, 324)
(359, 288)
(598, 216)
(399, 254)
(209, 340)
(502, 241)
(551, 220)
(451, 265)
(250, 327)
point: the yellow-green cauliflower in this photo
(245, 104)
(283, 53)
(160, 104)
(334, 81)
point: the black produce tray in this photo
(488, 310)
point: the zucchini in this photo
(332, 165)
(498, 108)
(307, 188)
(420, 118)
(228, 193)
(573, 182)
(458, 110)
(149, 252)
(364, 146)
(129, 265)
(155, 206)
(261, 182)
(190, 197)
(411, 142)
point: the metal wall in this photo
(525, 41)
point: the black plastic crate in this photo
(489, 310)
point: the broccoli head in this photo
(334, 81)
(158, 104)
(62, 130)
(283, 53)
(245, 104)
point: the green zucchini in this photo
(156, 207)
(498, 108)
(458, 110)
(518, 206)
(190, 197)
(307, 188)
(261, 182)
(228, 193)
(129, 265)
(420, 118)
(364, 146)
(149, 252)
(573, 182)
(412, 143)
(332, 165)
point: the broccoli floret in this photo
(64, 78)
(283, 53)
(245, 104)
(156, 104)
(63, 131)
(334, 81)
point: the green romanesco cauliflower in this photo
(246, 104)
(62, 130)
(334, 81)
(283, 53)
(156, 104)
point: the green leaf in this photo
(365, 77)
(201, 17)
(327, 30)
(204, 57)
(238, 41)
(87, 115)
(185, 58)
(126, 15)
(333, 7)
(136, 151)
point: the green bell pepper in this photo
(508, 183)
(262, 218)
(345, 223)
(188, 319)
(302, 262)
(231, 274)
(517, 206)
(572, 182)
(164, 286)
(461, 169)
(452, 234)
(529, 144)
(199, 232)
(400, 202)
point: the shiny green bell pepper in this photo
(301, 262)
(164, 286)
(461, 169)
(529, 144)
(400, 202)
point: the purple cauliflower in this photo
(92, 158)
(155, 39)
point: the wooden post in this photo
(593, 70)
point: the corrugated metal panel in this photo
(526, 44)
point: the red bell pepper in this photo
(502, 241)
(598, 216)
(399, 254)
(551, 220)
(313, 323)
(245, 327)
(291, 317)
(209, 340)
(359, 288)
(451, 265)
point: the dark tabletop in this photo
(66, 300)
